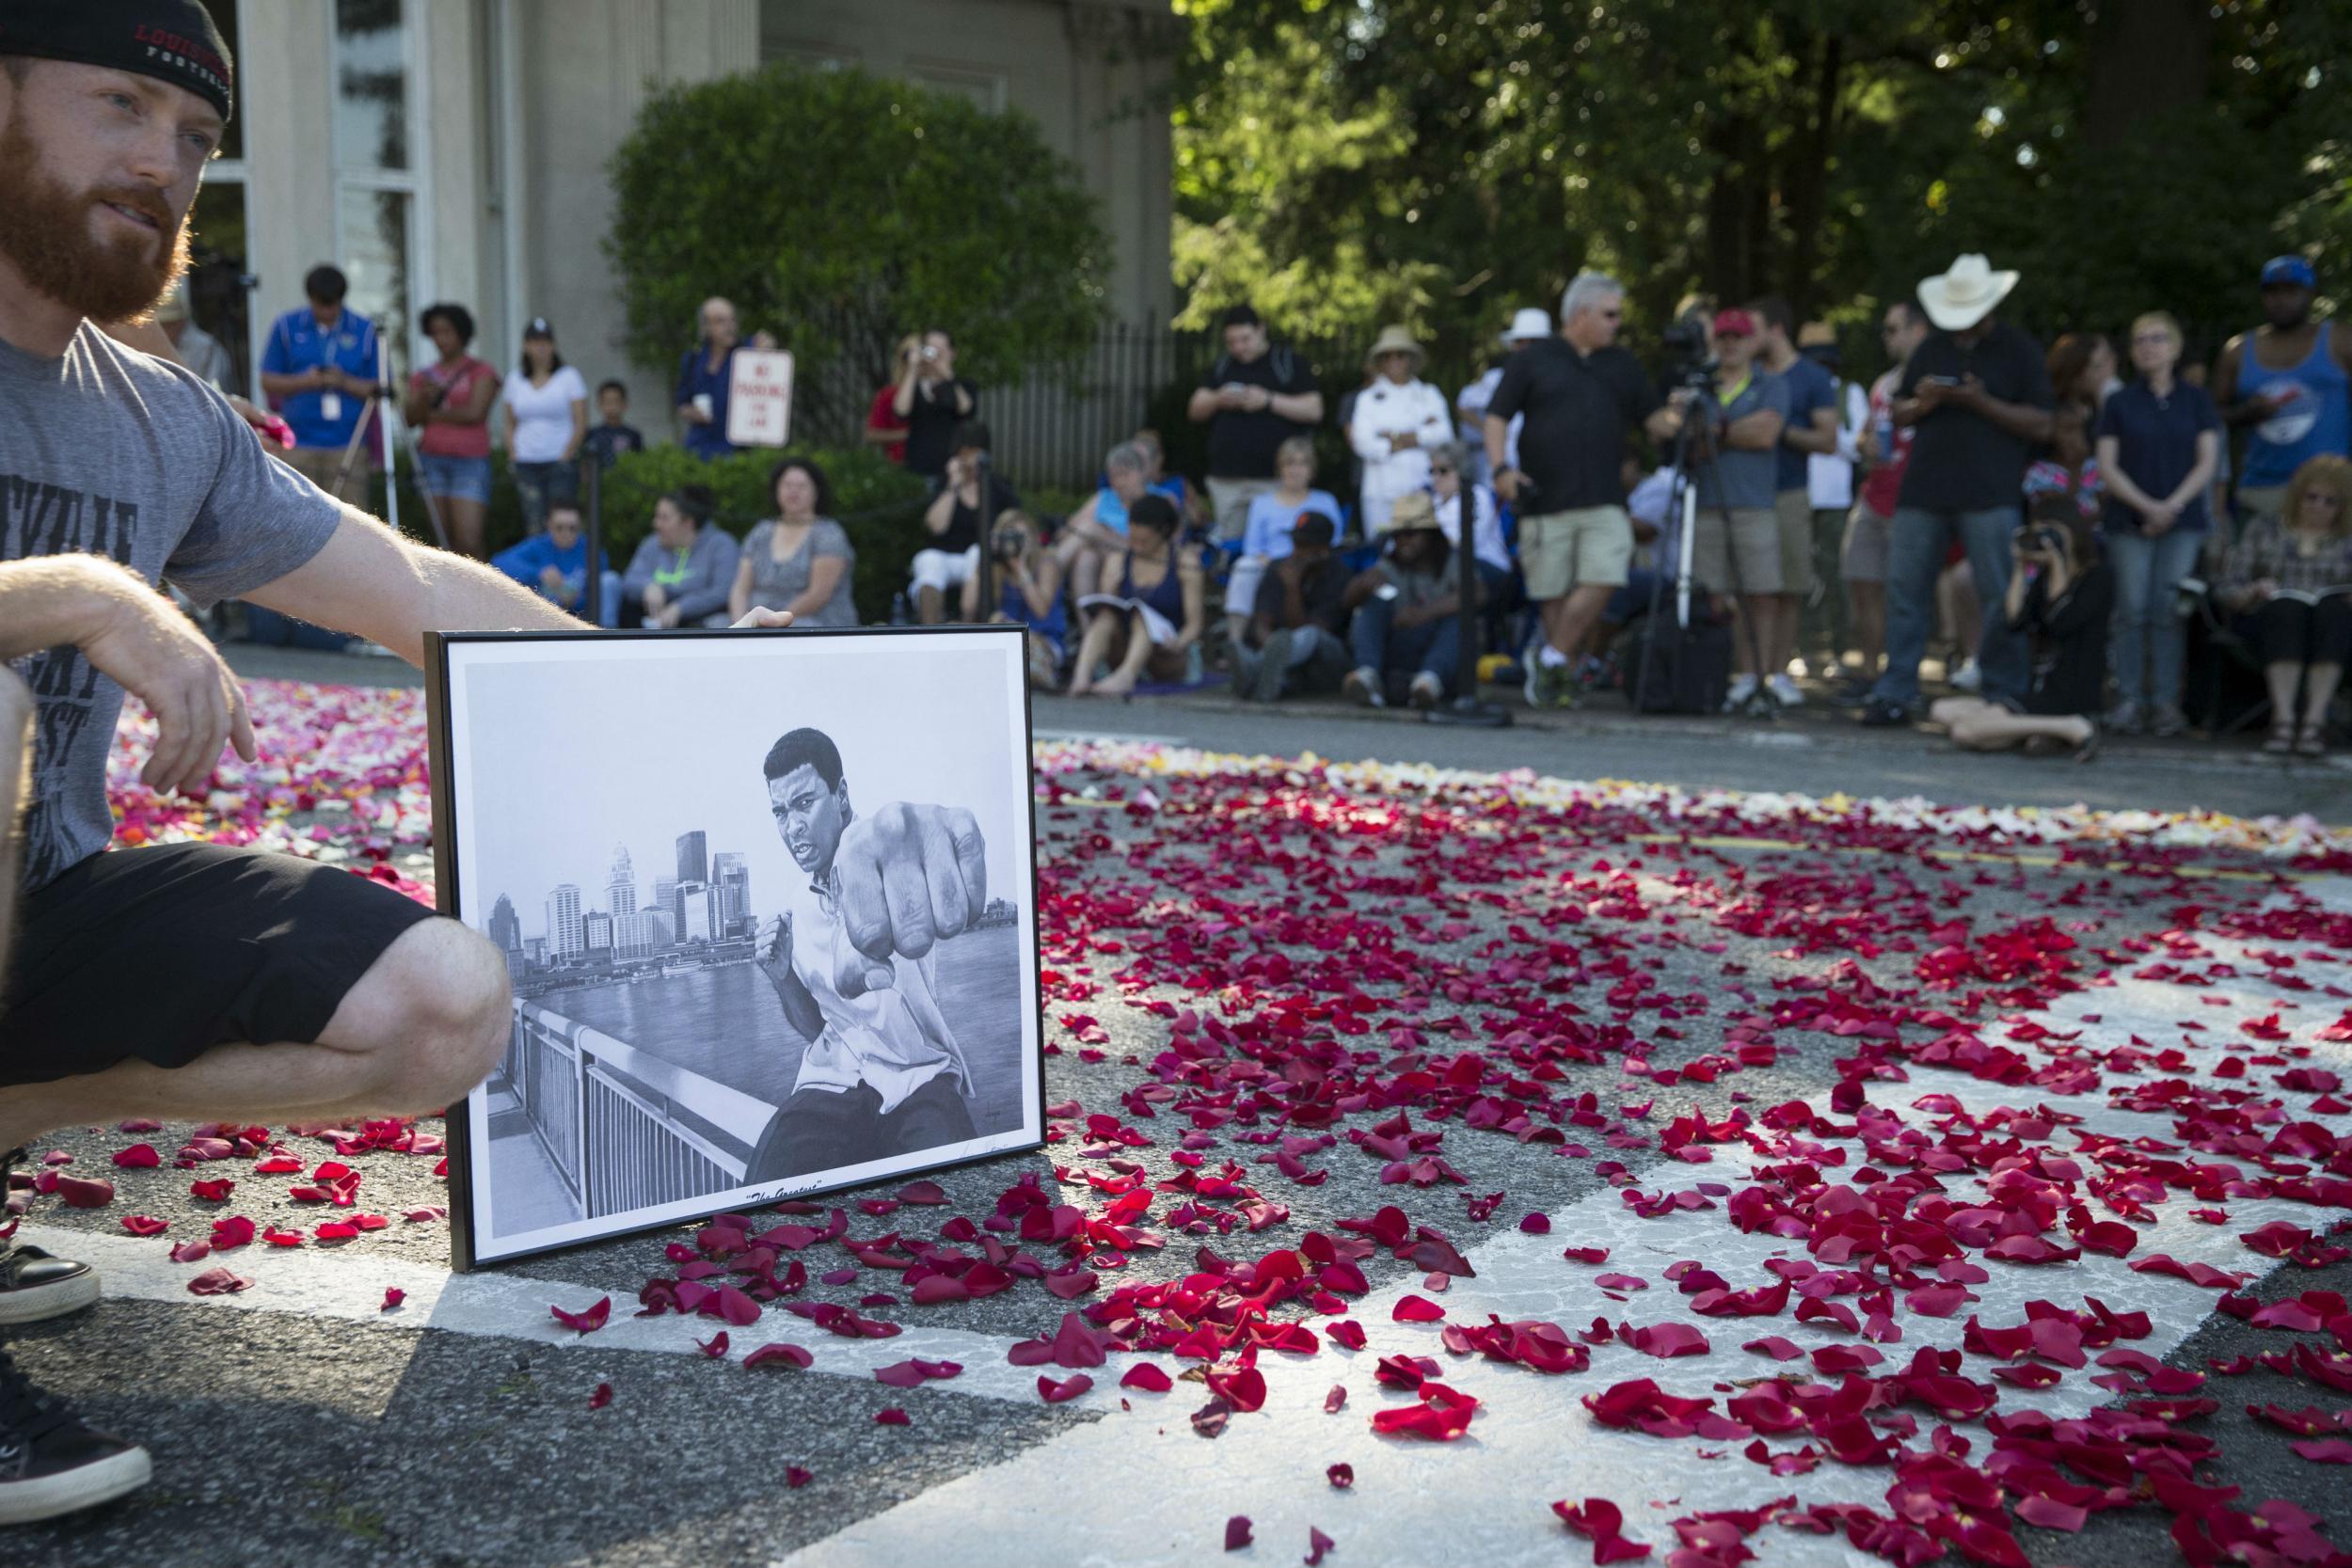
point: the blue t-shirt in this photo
(694, 376)
(1810, 387)
(2157, 446)
(1750, 479)
(296, 343)
(1268, 532)
(535, 555)
(1111, 512)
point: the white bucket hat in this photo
(1966, 295)
(1529, 324)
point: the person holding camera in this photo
(448, 405)
(2293, 570)
(1029, 593)
(935, 403)
(883, 427)
(1978, 392)
(955, 518)
(2059, 598)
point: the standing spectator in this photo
(614, 434)
(2159, 441)
(1583, 398)
(448, 405)
(1884, 449)
(1396, 421)
(705, 379)
(2293, 569)
(800, 560)
(2082, 371)
(883, 427)
(197, 349)
(317, 372)
(1830, 479)
(2059, 595)
(555, 565)
(957, 518)
(2290, 379)
(1811, 429)
(1097, 531)
(1735, 548)
(683, 572)
(1272, 527)
(932, 400)
(1531, 326)
(1293, 644)
(547, 420)
(1029, 593)
(1978, 393)
(1406, 611)
(1253, 398)
(1153, 618)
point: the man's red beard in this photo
(45, 232)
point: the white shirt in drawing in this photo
(894, 1037)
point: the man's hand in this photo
(1405, 440)
(1506, 483)
(654, 598)
(159, 657)
(551, 581)
(2158, 518)
(692, 414)
(1932, 395)
(775, 953)
(759, 619)
(1970, 394)
(909, 876)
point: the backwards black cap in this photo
(172, 40)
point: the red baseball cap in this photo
(1734, 323)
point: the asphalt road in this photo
(298, 1423)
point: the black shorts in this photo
(164, 953)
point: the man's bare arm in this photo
(371, 583)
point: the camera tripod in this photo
(379, 402)
(1681, 531)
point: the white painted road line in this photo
(1484, 1498)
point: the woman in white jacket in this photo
(1397, 420)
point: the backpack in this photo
(1677, 669)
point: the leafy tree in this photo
(1461, 157)
(840, 210)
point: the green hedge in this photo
(880, 504)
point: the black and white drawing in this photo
(766, 902)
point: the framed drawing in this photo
(769, 904)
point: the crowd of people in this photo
(1840, 529)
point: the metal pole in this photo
(592, 599)
(1466, 708)
(986, 569)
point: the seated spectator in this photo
(955, 518)
(2060, 596)
(1407, 625)
(1273, 517)
(1294, 643)
(555, 565)
(2293, 573)
(1150, 623)
(1028, 589)
(1449, 461)
(1191, 507)
(1097, 531)
(1397, 418)
(885, 428)
(682, 573)
(800, 560)
(612, 435)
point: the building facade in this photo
(455, 149)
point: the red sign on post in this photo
(759, 398)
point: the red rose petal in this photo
(1237, 1532)
(80, 1193)
(602, 1396)
(587, 1320)
(1417, 1310)
(796, 1478)
(1341, 1476)
(1317, 1545)
(393, 1296)
(213, 1191)
(145, 1225)
(218, 1282)
(1147, 1377)
(1067, 1388)
(791, 1355)
(894, 1416)
(138, 1157)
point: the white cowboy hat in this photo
(1966, 295)
(1394, 339)
(1529, 324)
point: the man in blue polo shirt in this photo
(317, 370)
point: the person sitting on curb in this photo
(2059, 598)
(1293, 646)
(554, 564)
(684, 569)
(1406, 607)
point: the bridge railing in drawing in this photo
(608, 1116)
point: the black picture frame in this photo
(470, 1245)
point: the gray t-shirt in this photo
(1749, 478)
(776, 583)
(107, 451)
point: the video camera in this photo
(1688, 363)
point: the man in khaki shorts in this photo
(1737, 469)
(1885, 447)
(1583, 398)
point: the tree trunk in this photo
(2148, 59)
(1805, 188)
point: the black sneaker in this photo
(49, 1463)
(34, 1285)
(1880, 714)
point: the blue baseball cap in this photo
(2289, 269)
